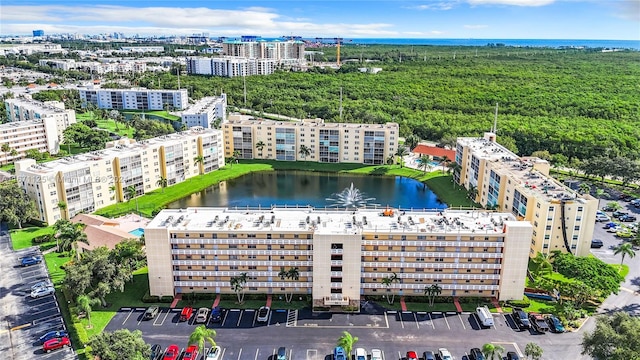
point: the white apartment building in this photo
(261, 49)
(135, 99)
(229, 66)
(326, 142)
(340, 255)
(142, 49)
(88, 182)
(23, 109)
(60, 64)
(205, 111)
(28, 49)
(21, 136)
(562, 219)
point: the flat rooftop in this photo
(309, 220)
(309, 123)
(202, 105)
(30, 104)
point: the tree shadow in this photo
(380, 170)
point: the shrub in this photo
(524, 303)
(166, 299)
(43, 238)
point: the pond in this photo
(319, 190)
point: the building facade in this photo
(340, 255)
(135, 99)
(23, 109)
(228, 66)
(88, 182)
(562, 219)
(22, 136)
(205, 112)
(326, 142)
(282, 51)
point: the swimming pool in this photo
(433, 163)
(137, 232)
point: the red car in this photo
(186, 313)
(172, 352)
(56, 343)
(191, 353)
(411, 355)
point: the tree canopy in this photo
(616, 337)
(120, 345)
(16, 207)
(593, 272)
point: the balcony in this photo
(336, 300)
(337, 251)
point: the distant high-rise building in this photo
(38, 33)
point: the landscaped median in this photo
(152, 202)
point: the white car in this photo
(263, 314)
(214, 354)
(41, 284)
(445, 354)
(376, 354)
(40, 292)
(361, 354)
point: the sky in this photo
(447, 19)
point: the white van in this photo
(486, 319)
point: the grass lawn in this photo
(293, 305)
(442, 307)
(120, 129)
(21, 238)
(54, 262)
(159, 113)
(622, 269)
(247, 304)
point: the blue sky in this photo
(488, 19)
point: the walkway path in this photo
(216, 301)
(457, 304)
(403, 305)
(175, 301)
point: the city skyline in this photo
(482, 19)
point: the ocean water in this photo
(549, 43)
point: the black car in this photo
(596, 244)
(156, 352)
(52, 335)
(151, 312)
(476, 354)
(618, 213)
(216, 314)
(512, 356)
(607, 208)
(627, 218)
(428, 355)
(521, 318)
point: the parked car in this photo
(627, 218)
(55, 344)
(608, 208)
(263, 314)
(53, 334)
(30, 260)
(40, 292)
(282, 353)
(172, 352)
(156, 352)
(538, 322)
(191, 353)
(555, 324)
(427, 355)
(602, 217)
(376, 354)
(361, 354)
(202, 315)
(618, 213)
(614, 229)
(216, 314)
(42, 284)
(151, 312)
(339, 354)
(520, 317)
(512, 356)
(444, 354)
(476, 354)
(609, 225)
(214, 354)
(624, 233)
(411, 355)
(186, 313)
(635, 201)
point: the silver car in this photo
(41, 284)
(40, 292)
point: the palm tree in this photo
(492, 351)
(425, 163)
(584, 188)
(388, 281)
(292, 274)
(200, 335)
(444, 160)
(431, 292)
(472, 193)
(401, 153)
(199, 160)
(162, 182)
(304, 151)
(237, 285)
(543, 263)
(614, 205)
(68, 235)
(624, 249)
(13, 153)
(260, 146)
(347, 342)
(533, 350)
(6, 149)
(85, 304)
(63, 207)
(390, 160)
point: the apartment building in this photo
(228, 66)
(22, 136)
(340, 255)
(562, 219)
(205, 112)
(88, 182)
(282, 51)
(135, 99)
(24, 109)
(325, 142)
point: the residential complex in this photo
(325, 142)
(96, 67)
(340, 255)
(135, 99)
(23, 109)
(229, 66)
(205, 112)
(22, 136)
(291, 51)
(562, 219)
(88, 182)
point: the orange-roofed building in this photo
(434, 152)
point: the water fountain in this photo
(350, 197)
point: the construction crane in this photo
(337, 41)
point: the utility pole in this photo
(340, 103)
(244, 82)
(178, 77)
(495, 121)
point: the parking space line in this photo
(290, 354)
(415, 318)
(127, 318)
(257, 352)
(462, 322)
(240, 354)
(431, 321)
(47, 318)
(444, 316)
(269, 319)
(255, 317)
(239, 318)
(401, 321)
(163, 319)
(225, 317)
(400, 355)
(386, 319)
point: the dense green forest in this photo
(579, 103)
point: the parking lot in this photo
(25, 319)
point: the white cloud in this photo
(481, 26)
(511, 2)
(628, 9)
(442, 5)
(178, 20)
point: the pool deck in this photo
(131, 222)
